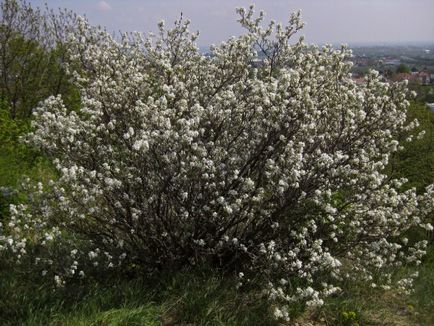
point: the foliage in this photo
(425, 93)
(416, 161)
(178, 159)
(403, 68)
(11, 155)
(32, 51)
(17, 161)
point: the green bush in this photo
(416, 161)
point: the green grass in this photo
(363, 305)
(195, 297)
(423, 298)
(200, 297)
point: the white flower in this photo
(58, 281)
(141, 145)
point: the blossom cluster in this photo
(177, 158)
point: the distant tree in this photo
(425, 94)
(388, 73)
(32, 51)
(402, 68)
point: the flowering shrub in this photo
(179, 158)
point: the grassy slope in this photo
(195, 297)
(200, 297)
(362, 305)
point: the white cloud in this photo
(104, 6)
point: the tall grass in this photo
(195, 297)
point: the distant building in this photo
(403, 76)
(422, 77)
(392, 62)
(360, 61)
(359, 80)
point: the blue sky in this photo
(327, 21)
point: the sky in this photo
(327, 21)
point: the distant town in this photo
(414, 63)
(396, 63)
